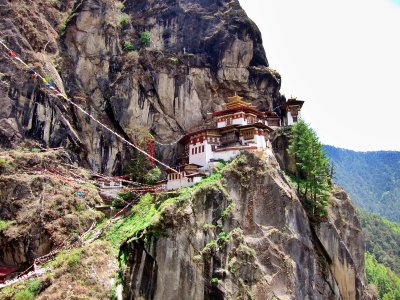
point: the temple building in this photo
(238, 126)
(293, 110)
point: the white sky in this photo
(343, 58)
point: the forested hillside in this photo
(382, 239)
(387, 282)
(372, 179)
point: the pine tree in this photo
(313, 181)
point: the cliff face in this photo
(40, 210)
(247, 236)
(200, 53)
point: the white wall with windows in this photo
(200, 153)
(177, 181)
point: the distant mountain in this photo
(372, 179)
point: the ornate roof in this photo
(294, 102)
(237, 102)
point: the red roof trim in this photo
(238, 109)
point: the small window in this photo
(192, 151)
(195, 150)
(202, 148)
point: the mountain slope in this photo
(382, 239)
(372, 179)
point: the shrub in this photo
(123, 20)
(126, 197)
(152, 176)
(73, 259)
(5, 166)
(63, 25)
(119, 5)
(145, 38)
(128, 46)
(34, 286)
(24, 295)
(4, 224)
(215, 280)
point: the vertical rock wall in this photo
(263, 248)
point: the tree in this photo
(140, 165)
(313, 181)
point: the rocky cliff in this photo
(199, 53)
(240, 234)
(245, 235)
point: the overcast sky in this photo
(343, 58)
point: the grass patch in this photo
(143, 215)
(24, 295)
(5, 165)
(25, 290)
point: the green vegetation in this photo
(4, 224)
(141, 167)
(144, 214)
(49, 80)
(215, 280)
(67, 258)
(382, 239)
(27, 290)
(119, 5)
(147, 215)
(128, 46)
(173, 60)
(24, 295)
(123, 20)
(387, 282)
(313, 181)
(372, 179)
(145, 38)
(152, 176)
(5, 165)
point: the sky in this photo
(343, 58)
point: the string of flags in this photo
(58, 93)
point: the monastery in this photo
(239, 126)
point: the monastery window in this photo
(228, 121)
(195, 150)
(202, 148)
(213, 147)
(249, 134)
